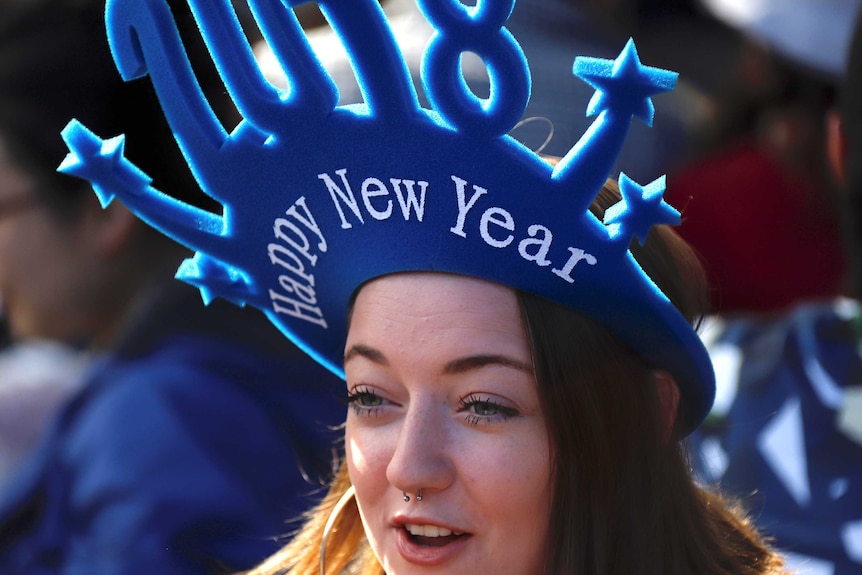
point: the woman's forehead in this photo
(439, 309)
(435, 291)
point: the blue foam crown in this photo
(318, 198)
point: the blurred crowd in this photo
(142, 431)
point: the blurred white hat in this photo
(814, 33)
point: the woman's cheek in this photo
(368, 453)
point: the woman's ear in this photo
(668, 399)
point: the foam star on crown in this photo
(318, 198)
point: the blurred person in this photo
(786, 432)
(36, 375)
(179, 452)
(758, 200)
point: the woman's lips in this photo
(425, 544)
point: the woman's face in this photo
(443, 399)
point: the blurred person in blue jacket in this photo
(197, 433)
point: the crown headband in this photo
(320, 198)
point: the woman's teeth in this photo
(428, 531)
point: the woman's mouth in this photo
(429, 545)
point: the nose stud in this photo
(418, 495)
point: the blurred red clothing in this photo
(767, 238)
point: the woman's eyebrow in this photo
(463, 364)
(367, 352)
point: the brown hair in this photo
(624, 500)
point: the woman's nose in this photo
(423, 454)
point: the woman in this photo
(482, 440)
(519, 386)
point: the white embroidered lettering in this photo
(464, 207)
(543, 244)
(307, 220)
(296, 309)
(290, 285)
(578, 255)
(505, 221)
(410, 200)
(373, 188)
(348, 198)
(276, 251)
(293, 249)
(300, 244)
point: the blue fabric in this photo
(182, 455)
(780, 443)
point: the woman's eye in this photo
(479, 409)
(485, 408)
(364, 401)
